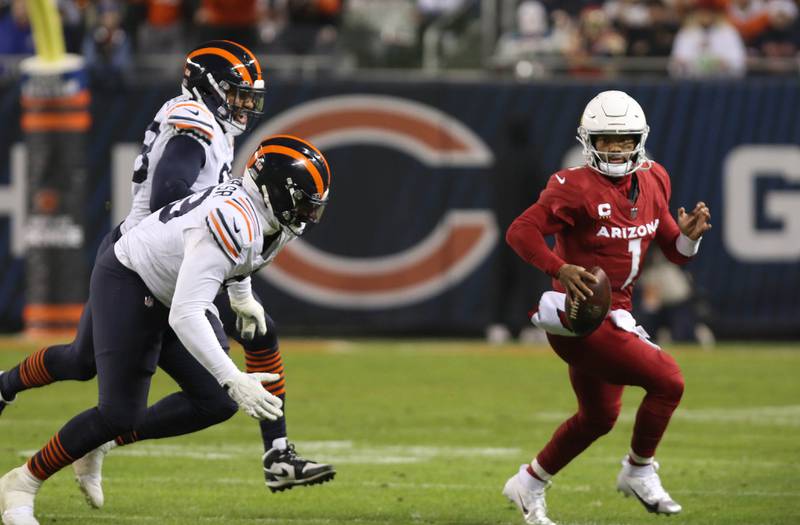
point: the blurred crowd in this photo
(699, 38)
(691, 38)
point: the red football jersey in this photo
(595, 224)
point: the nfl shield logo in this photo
(634, 212)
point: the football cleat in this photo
(530, 502)
(646, 487)
(89, 474)
(284, 470)
(18, 489)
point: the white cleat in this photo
(645, 485)
(89, 474)
(530, 502)
(18, 489)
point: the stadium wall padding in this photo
(420, 167)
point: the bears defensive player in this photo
(165, 273)
(188, 147)
(606, 214)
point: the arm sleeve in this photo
(553, 212)
(202, 273)
(526, 237)
(177, 170)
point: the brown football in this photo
(584, 317)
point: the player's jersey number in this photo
(635, 249)
(183, 206)
(153, 130)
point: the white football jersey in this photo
(230, 219)
(180, 115)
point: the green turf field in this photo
(428, 432)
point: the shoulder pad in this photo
(662, 177)
(234, 226)
(192, 118)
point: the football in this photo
(584, 317)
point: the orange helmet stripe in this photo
(250, 54)
(298, 139)
(283, 150)
(227, 55)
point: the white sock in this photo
(639, 460)
(31, 481)
(540, 471)
(529, 482)
(280, 443)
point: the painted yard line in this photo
(350, 453)
(118, 481)
(138, 518)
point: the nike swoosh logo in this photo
(562, 180)
(236, 227)
(651, 507)
(521, 503)
(193, 112)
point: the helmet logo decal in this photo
(449, 253)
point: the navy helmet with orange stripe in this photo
(294, 178)
(227, 78)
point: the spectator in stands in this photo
(782, 38)
(162, 28)
(73, 21)
(15, 29)
(107, 48)
(530, 37)
(311, 26)
(564, 36)
(597, 38)
(708, 45)
(648, 26)
(669, 305)
(236, 20)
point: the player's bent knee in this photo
(121, 420)
(599, 424)
(219, 408)
(673, 387)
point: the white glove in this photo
(249, 317)
(250, 395)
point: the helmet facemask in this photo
(607, 162)
(239, 106)
(294, 208)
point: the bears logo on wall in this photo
(451, 251)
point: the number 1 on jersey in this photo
(635, 249)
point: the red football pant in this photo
(600, 366)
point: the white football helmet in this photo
(613, 113)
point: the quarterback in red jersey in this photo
(605, 214)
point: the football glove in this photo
(249, 317)
(252, 398)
